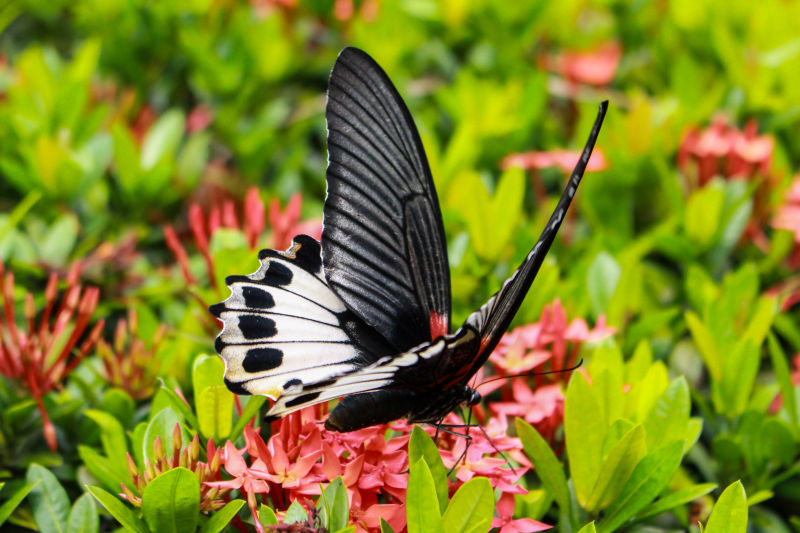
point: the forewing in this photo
(383, 243)
(284, 327)
(494, 317)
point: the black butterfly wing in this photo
(383, 243)
(494, 317)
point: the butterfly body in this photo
(364, 314)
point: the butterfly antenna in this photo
(531, 374)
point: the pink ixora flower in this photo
(722, 149)
(597, 66)
(788, 218)
(505, 518)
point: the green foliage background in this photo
(663, 258)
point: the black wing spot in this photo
(217, 309)
(261, 359)
(292, 383)
(257, 298)
(257, 327)
(308, 255)
(310, 397)
(236, 388)
(277, 274)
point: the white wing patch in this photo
(280, 325)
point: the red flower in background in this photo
(505, 518)
(284, 225)
(593, 67)
(788, 218)
(722, 149)
(564, 160)
(43, 356)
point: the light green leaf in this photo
(421, 445)
(703, 214)
(112, 436)
(171, 502)
(646, 482)
(215, 412)
(729, 514)
(266, 516)
(48, 498)
(602, 278)
(547, 466)
(14, 500)
(163, 424)
(83, 517)
(739, 377)
(588, 528)
(617, 468)
(119, 511)
(584, 428)
(471, 508)
(162, 139)
(680, 497)
(295, 513)
(333, 506)
(250, 410)
(670, 415)
(103, 468)
(422, 503)
(706, 344)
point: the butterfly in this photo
(364, 314)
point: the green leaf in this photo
(220, 519)
(333, 506)
(83, 517)
(126, 159)
(547, 466)
(784, 377)
(179, 405)
(267, 516)
(112, 436)
(646, 482)
(119, 510)
(588, 528)
(703, 214)
(617, 468)
(706, 344)
(739, 376)
(215, 412)
(162, 139)
(422, 503)
(120, 405)
(385, 527)
(60, 239)
(295, 513)
(584, 428)
(602, 278)
(680, 497)
(171, 502)
(471, 508)
(102, 468)
(48, 499)
(163, 424)
(250, 410)
(729, 514)
(670, 415)
(421, 445)
(14, 500)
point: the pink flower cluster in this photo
(788, 218)
(725, 150)
(550, 345)
(299, 455)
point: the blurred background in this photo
(133, 133)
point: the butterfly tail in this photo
(494, 317)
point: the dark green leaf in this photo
(14, 500)
(220, 519)
(83, 517)
(119, 510)
(48, 499)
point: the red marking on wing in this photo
(439, 325)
